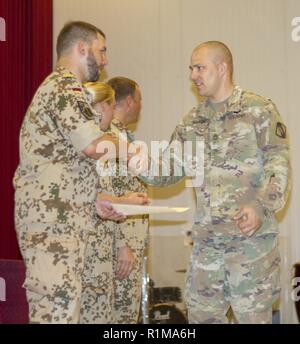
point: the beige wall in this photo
(151, 41)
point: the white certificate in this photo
(130, 209)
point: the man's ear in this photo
(82, 48)
(222, 68)
(129, 100)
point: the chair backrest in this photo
(13, 304)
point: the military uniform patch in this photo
(281, 130)
(76, 89)
(85, 110)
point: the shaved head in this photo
(219, 53)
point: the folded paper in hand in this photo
(129, 209)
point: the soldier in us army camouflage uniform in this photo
(55, 183)
(131, 236)
(235, 258)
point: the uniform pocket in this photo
(52, 265)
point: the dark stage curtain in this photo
(25, 60)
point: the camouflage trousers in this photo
(53, 255)
(229, 269)
(97, 280)
(128, 292)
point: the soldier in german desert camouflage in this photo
(130, 237)
(132, 190)
(55, 183)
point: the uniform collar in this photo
(65, 72)
(116, 127)
(232, 106)
(118, 124)
(78, 86)
(234, 101)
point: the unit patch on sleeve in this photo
(85, 110)
(281, 130)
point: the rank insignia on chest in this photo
(85, 110)
(281, 130)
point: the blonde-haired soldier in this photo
(102, 272)
(97, 283)
(102, 99)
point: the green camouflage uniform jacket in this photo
(246, 158)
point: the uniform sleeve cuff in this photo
(85, 135)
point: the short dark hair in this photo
(74, 31)
(222, 53)
(123, 87)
